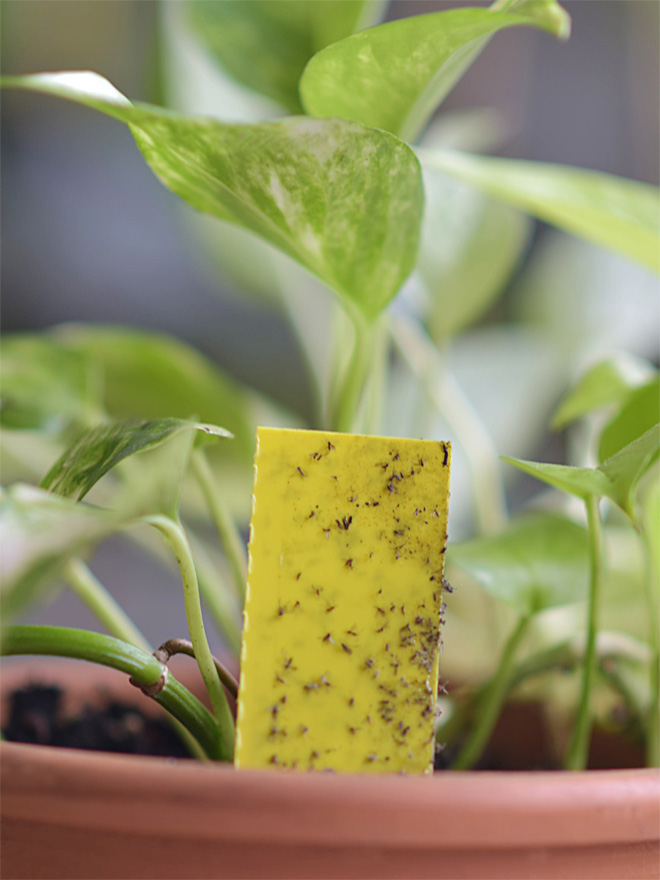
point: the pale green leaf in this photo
(616, 478)
(41, 532)
(395, 75)
(343, 200)
(44, 385)
(618, 214)
(608, 382)
(470, 246)
(638, 414)
(266, 45)
(540, 561)
(148, 375)
(100, 449)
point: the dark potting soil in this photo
(36, 715)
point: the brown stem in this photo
(183, 646)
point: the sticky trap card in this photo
(339, 661)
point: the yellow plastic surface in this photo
(339, 663)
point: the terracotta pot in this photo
(70, 814)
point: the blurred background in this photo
(88, 234)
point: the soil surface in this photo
(36, 715)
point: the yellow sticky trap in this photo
(339, 663)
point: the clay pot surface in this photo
(74, 814)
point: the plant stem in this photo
(377, 382)
(183, 646)
(219, 600)
(352, 386)
(143, 668)
(175, 535)
(230, 538)
(92, 592)
(651, 596)
(493, 700)
(578, 750)
(423, 360)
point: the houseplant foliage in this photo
(347, 193)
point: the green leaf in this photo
(44, 385)
(151, 376)
(540, 561)
(470, 246)
(41, 533)
(607, 382)
(100, 449)
(616, 478)
(343, 200)
(613, 212)
(395, 75)
(266, 45)
(638, 414)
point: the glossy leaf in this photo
(616, 478)
(306, 186)
(618, 214)
(470, 246)
(540, 561)
(395, 75)
(148, 375)
(41, 533)
(45, 385)
(266, 45)
(607, 382)
(100, 449)
(638, 414)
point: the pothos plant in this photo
(355, 192)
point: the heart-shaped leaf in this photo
(266, 45)
(395, 75)
(100, 449)
(616, 478)
(151, 376)
(618, 214)
(41, 533)
(540, 561)
(44, 384)
(607, 382)
(343, 200)
(639, 413)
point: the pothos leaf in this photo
(307, 186)
(100, 449)
(616, 478)
(395, 75)
(540, 561)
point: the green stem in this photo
(444, 394)
(491, 706)
(352, 386)
(651, 596)
(377, 382)
(92, 592)
(175, 535)
(143, 668)
(578, 750)
(219, 600)
(230, 538)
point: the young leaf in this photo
(638, 414)
(618, 214)
(41, 533)
(265, 45)
(540, 561)
(151, 376)
(607, 382)
(395, 75)
(469, 248)
(44, 384)
(100, 449)
(305, 185)
(616, 478)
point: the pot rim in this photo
(478, 809)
